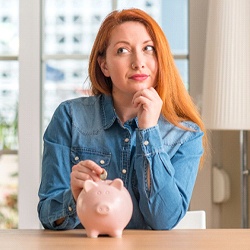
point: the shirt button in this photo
(76, 158)
(70, 209)
(124, 171)
(126, 140)
(102, 162)
(146, 143)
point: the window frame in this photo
(29, 112)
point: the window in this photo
(8, 74)
(8, 113)
(55, 41)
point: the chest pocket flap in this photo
(81, 154)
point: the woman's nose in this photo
(138, 62)
(137, 66)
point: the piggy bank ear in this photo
(88, 185)
(117, 183)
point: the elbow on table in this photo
(165, 224)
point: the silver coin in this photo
(104, 175)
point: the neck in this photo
(124, 109)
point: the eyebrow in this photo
(126, 42)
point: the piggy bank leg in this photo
(116, 234)
(92, 233)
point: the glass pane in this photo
(8, 144)
(8, 191)
(175, 24)
(8, 104)
(182, 65)
(64, 79)
(70, 26)
(152, 7)
(9, 88)
(9, 33)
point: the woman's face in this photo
(130, 60)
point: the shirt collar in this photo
(108, 113)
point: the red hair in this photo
(177, 103)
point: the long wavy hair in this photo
(177, 103)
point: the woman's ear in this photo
(103, 65)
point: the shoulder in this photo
(191, 126)
(172, 134)
(72, 105)
(81, 101)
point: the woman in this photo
(140, 125)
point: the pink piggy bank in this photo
(104, 207)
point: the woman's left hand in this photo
(149, 106)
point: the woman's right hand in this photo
(84, 170)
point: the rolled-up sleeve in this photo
(173, 172)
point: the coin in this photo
(104, 175)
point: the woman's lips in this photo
(139, 77)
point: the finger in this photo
(140, 96)
(87, 170)
(78, 180)
(92, 166)
(150, 93)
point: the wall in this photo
(230, 157)
(231, 210)
(202, 195)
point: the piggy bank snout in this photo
(103, 209)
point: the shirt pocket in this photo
(101, 158)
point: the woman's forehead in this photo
(130, 30)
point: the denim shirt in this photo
(88, 128)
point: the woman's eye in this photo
(121, 50)
(149, 48)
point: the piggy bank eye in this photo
(99, 192)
